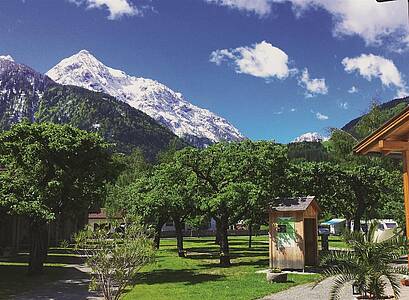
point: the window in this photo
(281, 228)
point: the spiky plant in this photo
(368, 265)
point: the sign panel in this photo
(286, 236)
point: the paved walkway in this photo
(73, 287)
(321, 292)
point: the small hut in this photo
(293, 233)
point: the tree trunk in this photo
(158, 232)
(38, 247)
(179, 236)
(358, 214)
(250, 227)
(217, 240)
(224, 241)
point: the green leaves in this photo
(115, 257)
(368, 265)
(51, 169)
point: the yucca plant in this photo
(368, 265)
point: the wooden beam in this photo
(406, 190)
(385, 145)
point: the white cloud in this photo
(293, 109)
(344, 105)
(116, 8)
(353, 90)
(266, 61)
(259, 7)
(260, 60)
(321, 116)
(374, 22)
(313, 86)
(372, 66)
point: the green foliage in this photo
(341, 144)
(377, 115)
(50, 170)
(349, 190)
(368, 265)
(309, 151)
(115, 257)
(237, 180)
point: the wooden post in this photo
(405, 155)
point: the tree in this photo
(178, 189)
(349, 190)
(115, 257)
(232, 173)
(369, 265)
(50, 171)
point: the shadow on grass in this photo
(52, 258)
(173, 276)
(15, 280)
(254, 263)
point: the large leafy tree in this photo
(178, 189)
(50, 171)
(232, 174)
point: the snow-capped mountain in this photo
(198, 126)
(28, 94)
(310, 137)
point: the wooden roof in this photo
(391, 137)
(294, 204)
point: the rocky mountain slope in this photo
(196, 125)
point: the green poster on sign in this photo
(286, 236)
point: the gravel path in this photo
(76, 287)
(321, 292)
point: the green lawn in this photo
(13, 271)
(199, 277)
(335, 242)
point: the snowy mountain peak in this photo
(6, 57)
(310, 137)
(197, 125)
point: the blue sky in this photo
(273, 68)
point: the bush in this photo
(115, 256)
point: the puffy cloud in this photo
(353, 90)
(321, 116)
(260, 60)
(373, 66)
(266, 61)
(313, 86)
(116, 8)
(381, 20)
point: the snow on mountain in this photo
(6, 57)
(196, 125)
(310, 137)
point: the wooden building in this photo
(293, 233)
(392, 138)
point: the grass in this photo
(335, 241)
(196, 277)
(199, 277)
(13, 271)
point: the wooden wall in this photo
(290, 257)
